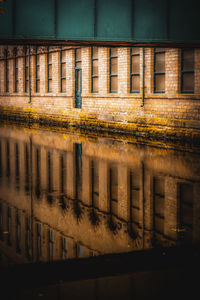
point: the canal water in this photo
(72, 197)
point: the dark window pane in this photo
(188, 60)
(160, 83)
(160, 62)
(136, 83)
(79, 80)
(188, 82)
(95, 67)
(95, 84)
(78, 64)
(114, 84)
(50, 85)
(38, 86)
(114, 68)
(135, 64)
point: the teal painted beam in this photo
(127, 21)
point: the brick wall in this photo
(120, 107)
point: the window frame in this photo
(61, 75)
(93, 76)
(16, 72)
(157, 51)
(132, 74)
(186, 72)
(37, 79)
(110, 74)
(48, 77)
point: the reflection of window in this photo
(78, 164)
(17, 174)
(39, 241)
(135, 70)
(27, 170)
(0, 160)
(113, 174)
(49, 174)
(28, 237)
(113, 70)
(78, 250)
(159, 205)
(37, 187)
(159, 70)
(49, 71)
(63, 248)
(8, 159)
(9, 226)
(134, 200)
(94, 70)
(62, 71)
(51, 242)
(186, 211)
(18, 233)
(95, 182)
(187, 70)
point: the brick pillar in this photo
(197, 71)
(103, 70)
(103, 186)
(86, 67)
(123, 70)
(70, 75)
(172, 71)
(21, 72)
(43, 73)
(56, 72)
(148, 71)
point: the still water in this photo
(66, 195)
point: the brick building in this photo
(61, 195)
(149, 91)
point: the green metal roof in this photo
(126, 21)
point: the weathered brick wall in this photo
(122, 106)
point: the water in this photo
(68, 196)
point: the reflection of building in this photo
(89, 84)
(63, 196)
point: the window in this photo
(62, 71)
(113, 70)
(95, 183)
(49, 71)
(187, 70)
(51, 242)
(39, 241)
(37, 174)
(159, 70)
(16, 73)
(28, 238)
(37, 72)
(6, 71)
(18, 233)
(94, 70)
(27, 170)
(26, 70)
(135, 70)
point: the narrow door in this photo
(78, 87)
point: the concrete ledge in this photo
(147, 127)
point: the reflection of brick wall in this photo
(146, 166)
(121, 106)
